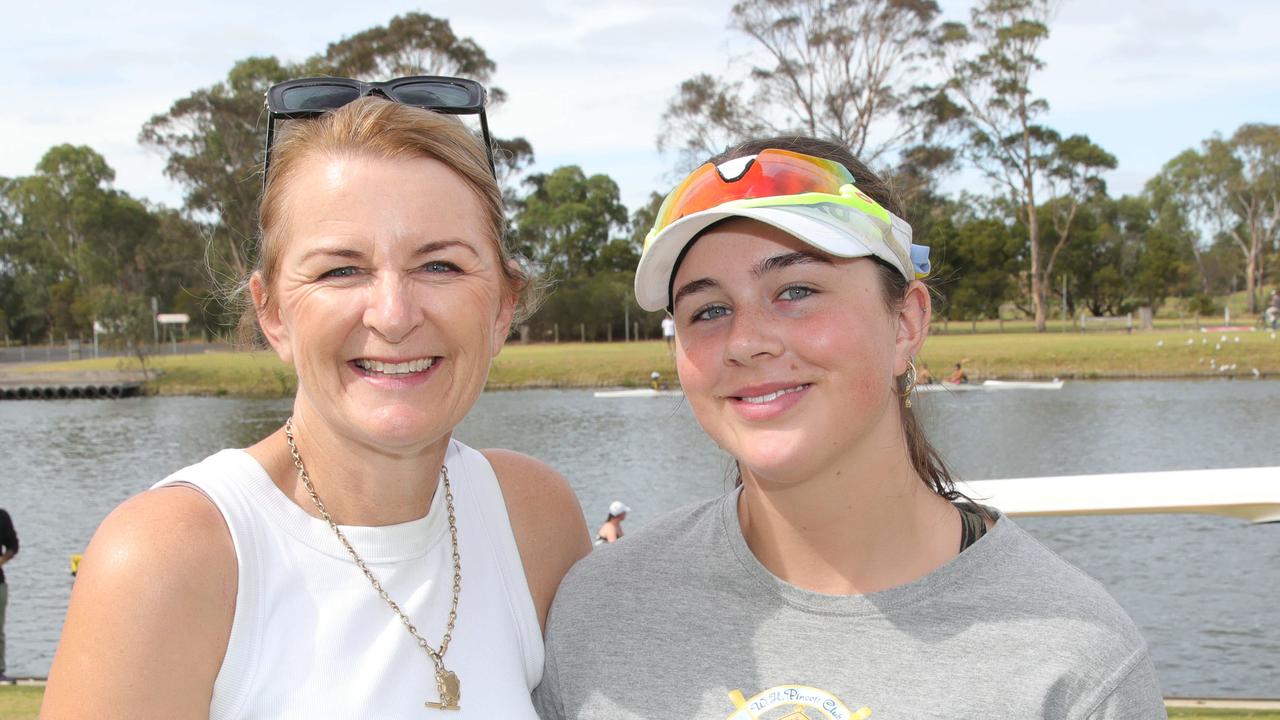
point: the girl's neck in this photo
(866, 525)
(359, 484)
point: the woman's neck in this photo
(864, 525)
(359, 484)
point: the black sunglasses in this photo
(311, 97)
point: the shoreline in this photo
(1115, 356)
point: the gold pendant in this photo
(449, 688)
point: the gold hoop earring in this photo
(908, 382)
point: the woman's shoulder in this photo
(533, 490)
(172, 531)
(170, 543)
(546, 520)
(157, 586)
(171, 540)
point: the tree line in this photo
(915, 96)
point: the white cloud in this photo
(588, 79)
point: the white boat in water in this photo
(944, 387)
(1054, 384)
(947, 387)
(638, 393)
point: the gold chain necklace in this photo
(446, 681)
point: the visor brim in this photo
(854, 235)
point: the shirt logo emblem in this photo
(800, 702)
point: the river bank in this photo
(1074, 356)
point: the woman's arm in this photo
(546, 520)
(150, 613)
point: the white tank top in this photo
(311, 638)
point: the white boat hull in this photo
(637, 393)
(1054, 384)
(944, 387)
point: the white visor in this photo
(833, 228)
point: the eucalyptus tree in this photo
(568, 222)
(1232, 186)
(852, 71)
(68, 239)
(213, 141)
(991, 63)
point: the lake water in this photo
(1202, 589)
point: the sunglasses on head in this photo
(771, 173)
(311, 97)
(771, 178)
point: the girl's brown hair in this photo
(376, 127)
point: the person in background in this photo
(1273, 310)
(8, 549)
(924, 377)
(358, 561)
(844, 576)
(957, 376)
(611, 530)
(669, 333)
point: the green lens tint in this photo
(318, 97)
(433, 95)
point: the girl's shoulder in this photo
(1012, 577)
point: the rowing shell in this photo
(993, 385)
(947, 387)
(1251, 494)
(638, 393)
(1054, 384)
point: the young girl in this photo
(843, 577)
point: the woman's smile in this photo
(393, 374)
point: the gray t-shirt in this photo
(680, 620)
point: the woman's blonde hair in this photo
(380, 128)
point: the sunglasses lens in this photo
(772, 173)
(318, 97)
(434, 95)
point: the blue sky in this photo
(588, 79)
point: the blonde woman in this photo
(357, 562)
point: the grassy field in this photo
(23, 703)
(1069, 355)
